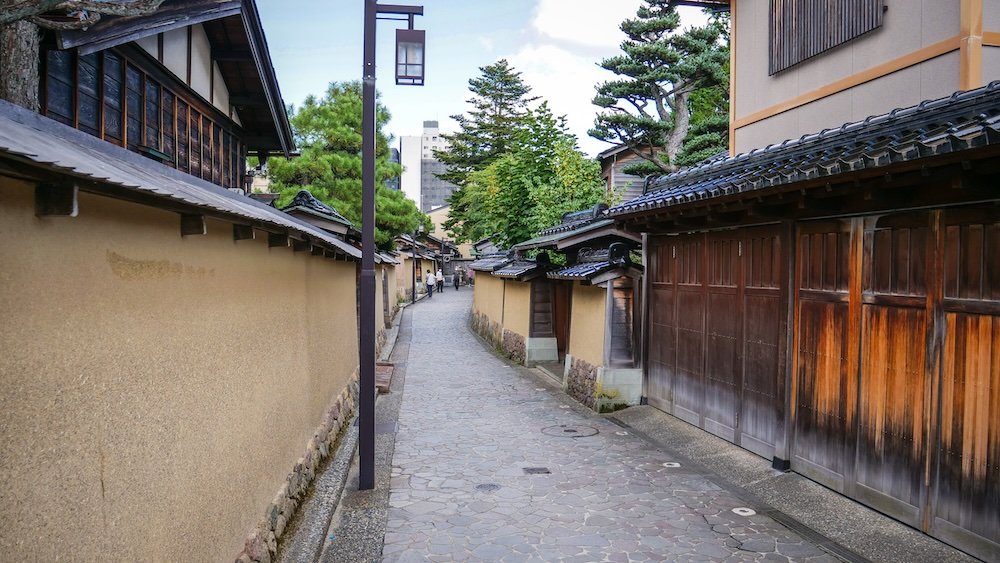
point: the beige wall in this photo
(488, 296)
(157, 389)
(586, 331)
(404, 275)
(438, 217)
(909, 26)
(516, 307)
(991, 64)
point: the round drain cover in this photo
(744, 511)
(487, 487)
(569, 430)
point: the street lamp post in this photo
(410, 47)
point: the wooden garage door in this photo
(897, 368)
(717, 333)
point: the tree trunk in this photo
(19, 49)
(682, 122)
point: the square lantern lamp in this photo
(410, 57)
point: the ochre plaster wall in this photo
(488, 296)
(907, 29)
(517, 307)
(157, 389)
(586, 332)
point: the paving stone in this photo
(467, 419)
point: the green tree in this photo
(661, 74)
(530, 186)
(500, 103)
(328, 133)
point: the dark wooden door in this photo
(825, 347)
(541, 309)
(561, 300)
(717, 333)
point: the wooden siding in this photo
(897, 368)
(541, 309)
(717, 333)
(801, 29)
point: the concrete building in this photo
(420, 169)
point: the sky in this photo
(555, 44)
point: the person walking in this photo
(431, 283)
(456, 278)
(440, 280)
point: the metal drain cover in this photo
(488, 487)
(569, 431)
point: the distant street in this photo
(491, 465)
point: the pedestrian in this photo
(472, 277)
(431, 282)
(440, 280)
(456, 278)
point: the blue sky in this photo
(554, 43)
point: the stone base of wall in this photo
(262, 542)
(581, 381)
(513, 346)
(489, 330)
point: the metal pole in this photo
(366, 352)
(414, 249)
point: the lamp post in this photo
(413, 50)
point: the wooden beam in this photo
(277, 240)
(193, 224)
(316, 250)
(247, 101)
(56, 199)
(242, 232)
(300, 245)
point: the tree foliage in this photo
(328, 133)
(500, 103)
(671, 92)
(526, 189)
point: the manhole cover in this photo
(536, 471)
(671, 464)
(488, 487)
(569, 431)
(743, 511)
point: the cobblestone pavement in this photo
(492, 465)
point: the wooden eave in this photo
(238, 46)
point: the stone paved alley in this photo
(490, 465)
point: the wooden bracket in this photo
(275, 240)
(242, 232)
(300, 245)
(56, 200)
(192, 224)
(316, 250)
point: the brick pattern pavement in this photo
(470, 425)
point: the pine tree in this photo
(328, 133)
(500, 102)
(648, 107)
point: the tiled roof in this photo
(581, 271)
(561, 232)
(575, 219)
(962, 121)
(112, 170)
(518, 268)
(490, 263)
(305, 201)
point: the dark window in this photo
(182, 136)
(167, 111)
(206, 149)
(217, 155)
(59, 86)
(801, 29)
(113, 98)
(152, 115)
(195, 143)
(133, 106)
(88, 100)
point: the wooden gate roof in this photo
(931, 131)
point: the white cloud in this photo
(567, 82)
(585, 22)
(486, 42)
